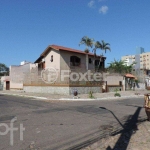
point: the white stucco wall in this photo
(3, 81)
(21, 74)
(5, 78)
(56, 59)
(16, 85)
(113, 79)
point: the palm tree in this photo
(97, 45)
(105, 46)
(119, 66)
(87, 42)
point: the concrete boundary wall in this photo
(61, 90)
(47, 89)
(16, 86)
(113, 88)
(86, 90)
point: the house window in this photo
(75, 61)
(98, 62)
(51, 58)
(90, 60)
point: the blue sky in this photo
(27, 27)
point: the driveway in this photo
(62, 125)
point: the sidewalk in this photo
(139, 140)
(84, 97)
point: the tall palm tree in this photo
(105, 46)
(87, 42)
(97, 45)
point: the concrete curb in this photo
(25, 96)
(105, 98)
(71, 99)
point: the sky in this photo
(27, 27)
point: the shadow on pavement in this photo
(130, 125)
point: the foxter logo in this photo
(49, 75)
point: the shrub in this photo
(117, 94)
(91, 94)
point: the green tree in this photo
(97, 45)
(87, 42)
(103, 46)
(120, 67)
(128, 69)
(4, 70)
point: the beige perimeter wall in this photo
(113, 79)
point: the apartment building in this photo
(128, 59)
(145, 61)
(142, 60)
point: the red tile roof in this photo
(129, 75)
(56, 47)
(68, 49)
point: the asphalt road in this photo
(59, 125)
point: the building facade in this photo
(142, 60)
(142, 63)
(49, 73)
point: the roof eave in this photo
(38, 60)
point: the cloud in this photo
(103, 9)
(91, 3)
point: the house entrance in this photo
(7, 85)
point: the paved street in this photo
(63, 125)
